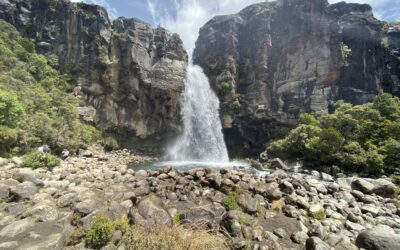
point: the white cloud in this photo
(189, 15)
(112, 12)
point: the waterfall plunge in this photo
(202, 139)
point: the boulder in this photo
(24, 190)
(247, 203)
(4, 191)
(16, 228)
(378, 238)
(151, 211)
(315, 243)
(362, 185)
(384, 188)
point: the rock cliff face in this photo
(273, 61)
(131, 73)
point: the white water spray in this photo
(202, 139)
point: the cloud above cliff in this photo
(186, 17)
(112, 11)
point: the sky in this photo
(185, 17)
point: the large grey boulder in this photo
(378, 238)
(248, 203)
(150, 212)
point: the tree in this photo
(10, 109)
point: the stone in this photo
(87, 206)
(24, 190)
(363, 186)
(315, 243)
(286, 187)
(30, 175)
(354, 226)
(43, 212)
(8, 245)
(151, 211)
(278, 164)
(17, 161)
(280, 232)
(317, 211)
(231, 221)
(4, 192)
(299, 237)
(16, 228)
(373, 210)
(381, 237)
(248, 203)
(384, 188)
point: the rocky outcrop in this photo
(131, 73)
(275, 60)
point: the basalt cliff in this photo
(275, 60)
(131, 73)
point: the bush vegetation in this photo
(35, 107)
(361, 138)
(40, 160)
(100, 232)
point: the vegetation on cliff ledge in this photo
(35, 107)
(361, 138)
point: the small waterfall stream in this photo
(202, 139)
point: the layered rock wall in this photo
(275, 60)
(131, 73)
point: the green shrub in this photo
(35, 99)
(229, 202)
(8, 138)
(177, 219)
(109, 143)
(396, 180)
(10, 108)
(223, 88)
(38, 160)
(122, 224)
(100, 232)
(362, 138)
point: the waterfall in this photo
(202, 138)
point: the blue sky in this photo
(185, 17)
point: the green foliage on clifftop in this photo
(362, 138)
(35, 106)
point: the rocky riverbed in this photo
(41, 209)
